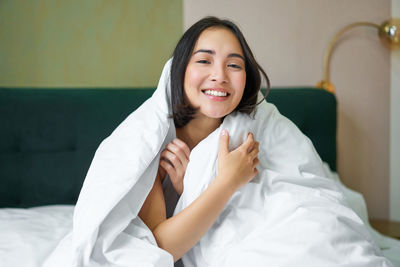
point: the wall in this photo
(86, 43)
(395, 127)
(289, 39)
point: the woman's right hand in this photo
(237, 167)
(174, 161)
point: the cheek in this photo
(240, 83)
(193, 77)
(191, 85)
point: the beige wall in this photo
(289, 38)
(395, 127)
(91, 43)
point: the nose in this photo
(218, 73)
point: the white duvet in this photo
(27, 236)
(292, 214)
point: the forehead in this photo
(220, 40)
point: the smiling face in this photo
(215, 76)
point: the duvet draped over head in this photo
(290, 214)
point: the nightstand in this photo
(389, 228)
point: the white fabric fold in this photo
(106, 229)
(291, 214)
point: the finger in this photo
(253, 146)
(255, 162)
(180, 152)
(177, 151)
(174, 174)
(174, 161)
(183, 146)
(255, 150)
(224, 143)
(173, 158)
(255, 172)
(168, 168)
(248, 143)
(256, 145)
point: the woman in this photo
(213, 73)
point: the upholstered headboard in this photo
(48, 136)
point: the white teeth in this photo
(215, 93)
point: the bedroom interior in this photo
(69, 61)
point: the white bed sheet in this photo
(27, 236)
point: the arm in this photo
(153, 211)
(174, 160)
(180, 233)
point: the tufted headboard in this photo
(48, 137)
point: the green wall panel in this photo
(92, 43)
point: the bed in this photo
(48, 137)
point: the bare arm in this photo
(153, 210)
(180, 233)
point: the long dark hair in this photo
(182, 112)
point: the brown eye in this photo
(235, 66)
(203, 61)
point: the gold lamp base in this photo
(327, 85)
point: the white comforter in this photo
(27, 236)
(291, 214)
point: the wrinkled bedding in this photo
(29, 235)
(292, 214)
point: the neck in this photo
(196, 130)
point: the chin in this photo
(215, 115)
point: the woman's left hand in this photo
(174, 160)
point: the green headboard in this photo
(48, 136)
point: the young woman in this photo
(213, 73)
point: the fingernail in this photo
(223, 132)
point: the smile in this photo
(215, 93)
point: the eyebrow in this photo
(212, 52)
